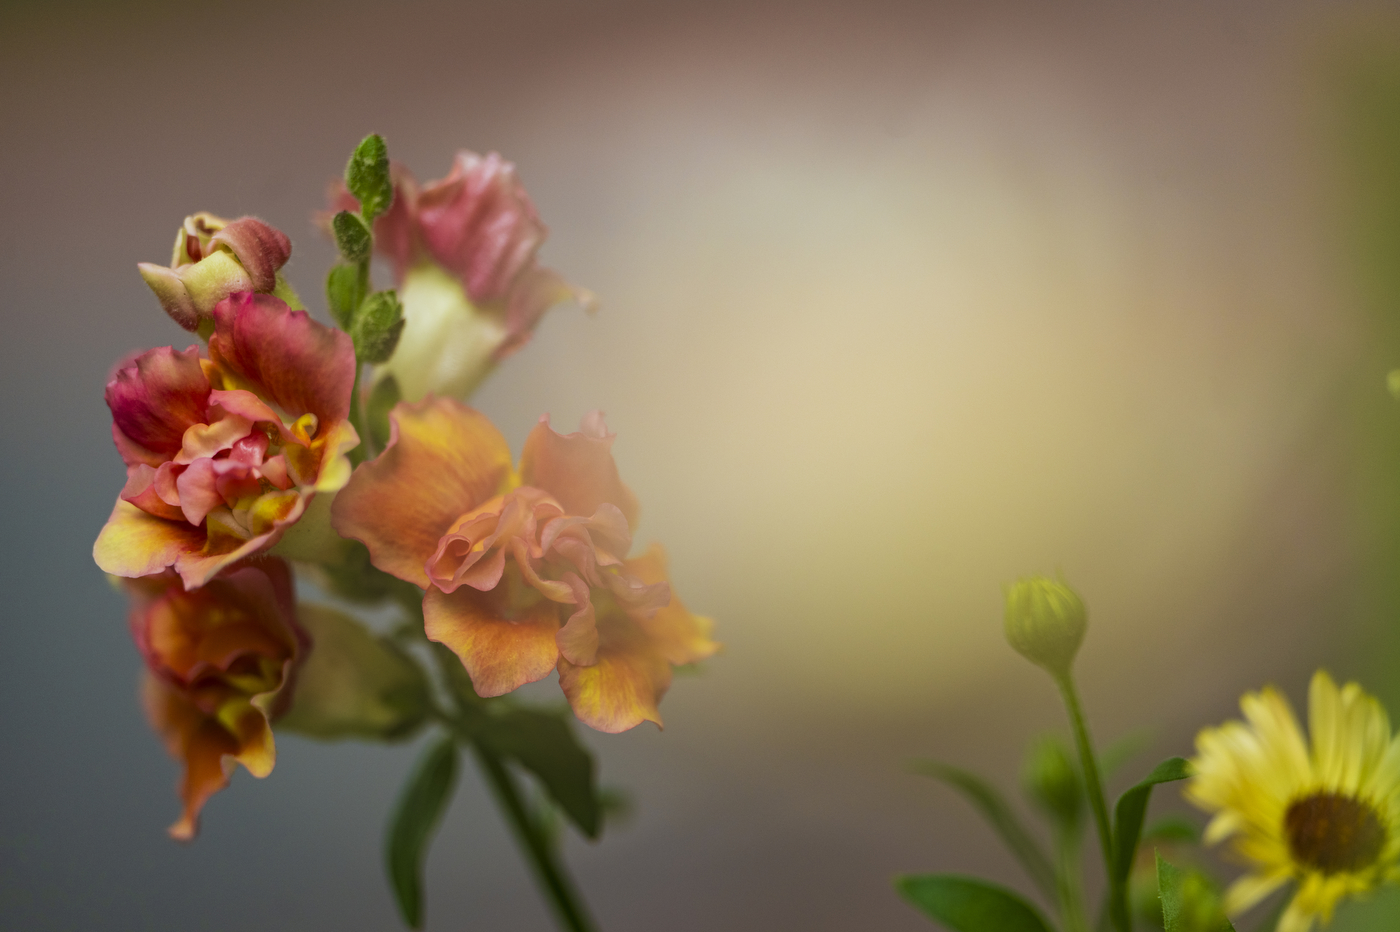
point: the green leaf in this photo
(377, 326)
(545, 745)
(1127, 826)
(345, 289)
(421, 805)
(1172, 828)
(355, 579)
(1189, 901)
(965, 904)
(382, 399)
(995, 810)
(367, 177)
(352, 237)
(354, 684)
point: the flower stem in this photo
(1068, 882)
(1088, 762)
(559, 890)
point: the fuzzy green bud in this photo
(1051, 780)
(1045, 622)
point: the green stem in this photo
(1068, 882)
(1089, 763)
(568, 905)
(357, 421)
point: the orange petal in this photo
(679, 635)
(196, 740)
(577, 469)
(622, 689)
(443, 460)
(134, 543)
(503, 642)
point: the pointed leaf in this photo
(1127, 830)
(995, 810)
(1172, 828)
(382, 399)
(1189, 902)
(420, 808)
(965, 904)
(345, 290)
(367, 176)
(352, 236)
(354, 684)
(545, 745)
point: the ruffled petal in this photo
(577, 469)
(680, 636)
(154, 401)
(505, 637)
(204, 747)
(134, 543)
(443, 460)
(288, 359)
(622, 689)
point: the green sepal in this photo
(998, 814)
(1189, 901)
(352, 237)
(1127, 827)
(545, 745)
(377, 326)
(354, 684)
(965, 904)
(416, 817)
(345, 289)
(367, 177)
(382, 399)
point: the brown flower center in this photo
(1334, 833)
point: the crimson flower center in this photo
(1334, 833)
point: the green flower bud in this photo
(1051, 780)
(1045, 622)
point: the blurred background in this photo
(900, 301)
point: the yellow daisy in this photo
(1327, 817)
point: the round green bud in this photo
(1045, 622)
(1051, 780)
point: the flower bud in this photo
(1045, 622)
(1051, 780)
(213, 259)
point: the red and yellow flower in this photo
(464, 256)
(220, 665)
(525, 571)
(223, 453)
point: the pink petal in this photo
(154, 401)
(577, 469)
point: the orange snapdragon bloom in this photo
(220, 665)
(526, 571)
(224, 453)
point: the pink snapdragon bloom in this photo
(224, 453)
(213, 259)
(525, 572)
(220, 666)
(464, 256)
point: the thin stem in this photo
(568, 905)
(1068, 882)
(1089, 763)
(357, 421)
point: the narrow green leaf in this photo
(965, 904)
(367, 176)
(354, 684)
(352, 236)
(344, 292)
(377, 326)
(1127, 830)
(1132, 807)
(545, 745)
(382, 399)
(1189, 901)
(420, 808)
(994, 809)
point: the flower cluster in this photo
(230, 443)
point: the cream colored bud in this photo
(1045, 622)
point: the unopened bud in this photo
(1051, 780)
(213, 259)
(1045, 622)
